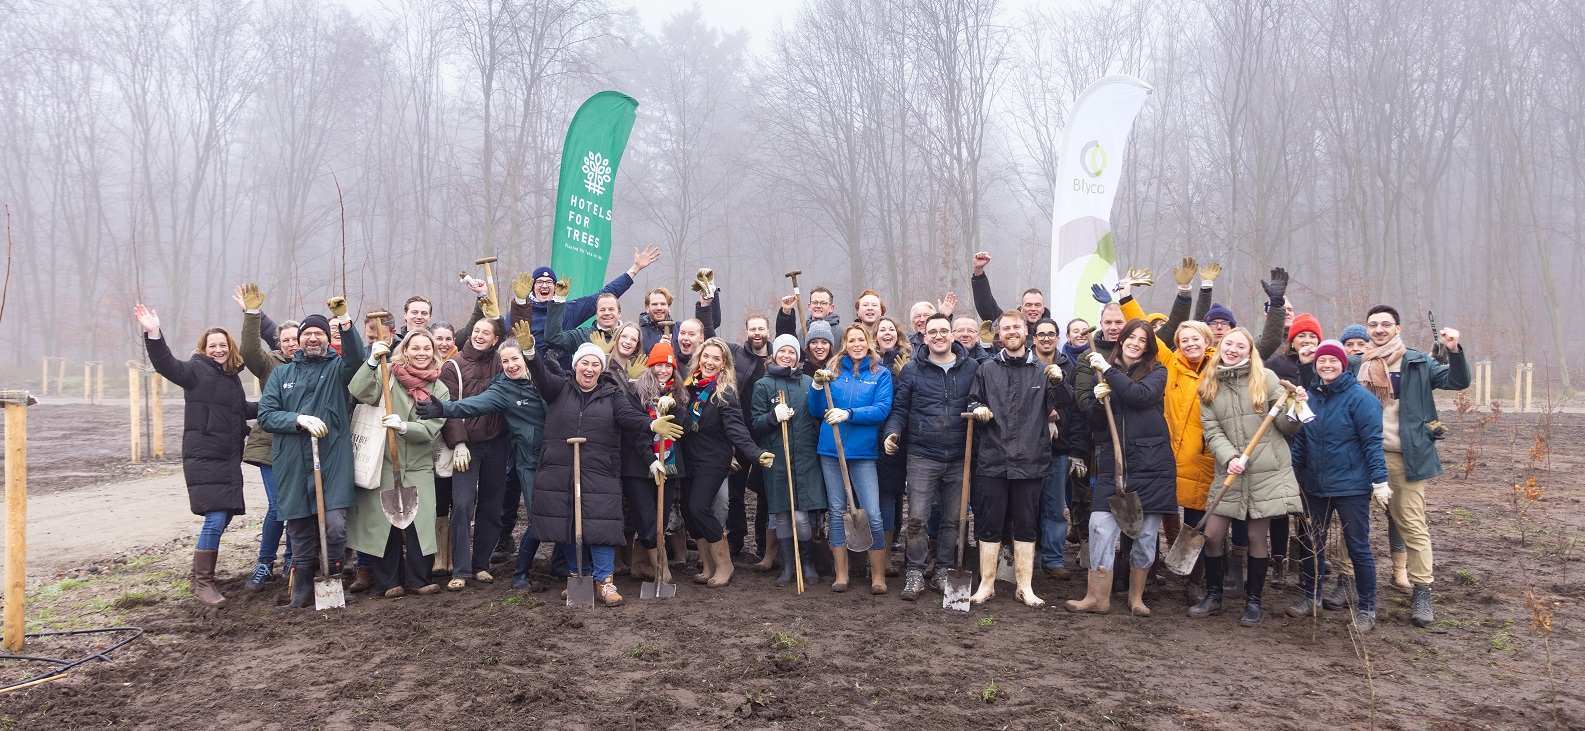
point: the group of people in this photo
(635, 434)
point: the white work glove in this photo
(783, 412)
(395, 423)
(1235, 466)
(1098, 362)
(377, 351)
(1102, 391)
(837, 416)
(1380, 494)
(1054, 373)
(1051, 427)
(657, 469)
(665, 404)
(982, 414)
(1077, 468)
(312, 425)
(461, 458)
(1303, 413)
(892, 444)
(766, 459)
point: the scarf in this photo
(416, 382)
(703, 388)
(1373, 373)
(1072, 352)
(777, 371)
(664, 448)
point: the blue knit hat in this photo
(1353, 331)
(544, 272)
(1218, 312)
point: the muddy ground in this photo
(755, 656)
(74, 444)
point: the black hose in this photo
(66, 665)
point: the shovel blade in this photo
(400, 505)
(1185, 551)
(665, 591)
(328, 594)
(856, 523)
(959, 587)
(656, 590)
(580, 591)
(1128, 513)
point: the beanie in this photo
(544, 272)
(1353, 331)
(1334, 349)
(1304, 322)
(588, 349)
(820, 330)
(661, 353)
(314, 321)
(786, 340)
(1218, 312)
(1155, 317)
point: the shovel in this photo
(792, 500)
(327, 588)
(580, 588)
(400, 503)
(659, 588)
(1124, 505)
(959, 584)
(855, 521)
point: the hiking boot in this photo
(608, 593)
(1420, 606)
(1303, 607)
(1364, 619)
(364, 580)
(262, 574)
(913, 583)
(1341, 595)
(1059, 573)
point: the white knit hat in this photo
(588, 349)
(784, 340)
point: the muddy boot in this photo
(1233, 585)
(662, 571)
(1084, 553)
(839, 559)
(989, 554)
(677, 549)
(302, 581)
(1279, 573)
(203, 583)
(1098, 597)
(643, 565)
(442, 547)
(706, 562)
(789, 567)
(1214, 568)
(1194, 585)
(262, 573)
(364, 580)
(1341, 596)
(772, 552)
(913, 583)
(1137, 578)
(723, 564)
(1253, 612)
(891, 569)
(878, 565)
(1024, 570)
(1420, 612)
(1400, 573)
(608, 595)
(810, 574)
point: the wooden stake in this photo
(132, 395)
(157, 428)
(88, 383)
(16, 480)
(1529, 392)
(1518, 392)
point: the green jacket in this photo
(1267, 488)
(809, 484)
(367, 527)
(317, 387)
(260, 362)
(1419, 376)
(519, 402)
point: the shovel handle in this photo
(963, 500)
(1248, 452)
(792, 498)
(577, 498)
(319, 499)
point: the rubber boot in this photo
(203, 583)
(1400, 573)
(1233, 585)
(723, 564)
(364, 580)
(990, 553)
(643, 562)
(1195, 584)
(1125, 548)
(839, 559)
(706, 562)
(772, 552)
(1084, 553)
(1024, 569)
(302, 581)
(1279, 572)
(1253, 612)
(1215, 569)
(890, 569)
(878, 566)
(677, 549)
(1098, 595)
(1137, 579)
(788, 566)
(810, 574)
(442, 547)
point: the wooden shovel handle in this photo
(1248, 452)
(963, 501)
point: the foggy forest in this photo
(1426, 154)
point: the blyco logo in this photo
(1092, 160)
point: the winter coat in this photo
(368, 529)
(867, 395)
(891, 470)
(803, 430)
(564, 339)
(928, 404)
(519, 403)
(1267, 488)
(1286, 366)
(1420, 376)
(708, 442)
(1149, 469)
(575, 311)
(1338, 454)
(650, 333)
(260, 362)
(214, 428)
(638, 448)
(317, 387)
(985, 303)
(1073, 434)
(478, 369)
(1181, 406)
(1016, 442)
(600, 415)
(787, 323)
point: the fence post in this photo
(132, 396)
(16, 480)
(157, 428)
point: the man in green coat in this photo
(308, 397)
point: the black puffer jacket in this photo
(602, 415)
(1073, 434)
(1015, 443)
(638, 447)
(928, 403)
(214, 428)
(707, 442)
(1149, 466)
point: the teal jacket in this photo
(519, 402)
(317, 387)
(1419, 376)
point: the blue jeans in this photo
(1053, 522)
(599, 559)
(1353, 512)
(214, 524)
(866, 487)
(888, 511)
(274, 528)
(527, 546)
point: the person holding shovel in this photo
(214, 431)
(781, 401)
(1233, 405)
(645, 454)
(861, 397)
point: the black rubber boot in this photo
(1253, 589)
(302, 579)
(1211, 605)
(785, 545)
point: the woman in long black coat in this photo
(214, 431)
(584, 405)
(1133, 382)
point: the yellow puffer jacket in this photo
(1196, 466)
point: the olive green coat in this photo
(1267, 488)
(367, 527)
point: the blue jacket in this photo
(928, 406)
(1339, 453)
(868, 396)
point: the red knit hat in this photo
(661, 353)
(1304, 322)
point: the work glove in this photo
(477, 286)
(1380, 494)
(734, 467)
(1139, 278)
(599, 340)
(563, 287)
(1185, 274)
(893, 443)
(461, 458)
(522, 286)
(1100, 294)
(524, 334)
(665, 404)
(822, 377)
(1098, 362)
(904, 351)
(312, 425)
(837, 416)
(337, 305)
(1102, 391)
(1054, 373)
(1077, 468)
(1051, 428)
(783, 412)
(490, 309)
(1235, 466)
(986, 335)
(428, 409)
(704, 283)
(377, 351)
(394, 423)
(766, 459)
(252, 298)
(982, 414)
(664, 427)
(1209, 273)
(1277, 286)
(657, 469)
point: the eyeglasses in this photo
(1045, 335)
(937, 332)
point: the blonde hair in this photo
(835, 363)
(1203, 329)
(726, 380)
(1256, 378)
(400, 356)
(233, 364)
